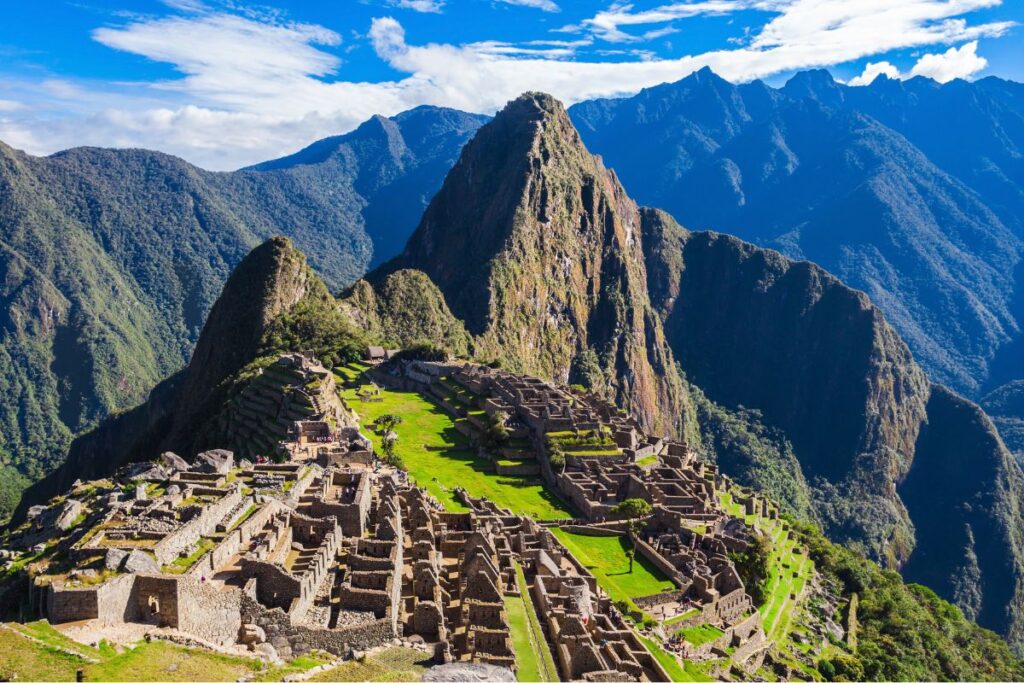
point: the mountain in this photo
(536, 249)
(535, 246)
(271, 299)
(111, 259)
(908, 190)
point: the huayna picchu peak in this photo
(438, 399)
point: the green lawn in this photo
(605, 557)
(686, 671)
(440, 458)
(533, 656)
(698, 635)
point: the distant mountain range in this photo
(908, 190)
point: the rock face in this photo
(963, 492)
(536, 248)
(752, 328)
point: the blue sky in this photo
(224, 83)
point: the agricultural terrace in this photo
(440, 458)
(606, 558)
(789, 570)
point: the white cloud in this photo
(433, 6)
(605, 24)
(254, 87)
(872, 71)
(955, 62)
(546, 5)
(11, 105)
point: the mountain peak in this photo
(271, 279)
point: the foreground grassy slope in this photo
(38, 652)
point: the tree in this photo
(557, 458)
(752, 566)
(387, 423)
(634, 510)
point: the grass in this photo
(684, 615)
(676, 671)
(440, 458)
(394, 664)
(649, 460)
(605, 557)
(533, 657)
(157, 660)
(699, 635)
(182, 564)
(248, 513)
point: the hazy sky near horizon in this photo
(225, 83)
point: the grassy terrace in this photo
(788, 572)
(25, 659)
(533, 657)
(440, 458)
(698, 635)
(605, 557)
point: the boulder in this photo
(35, 511)
(139, 562)
(115, 558)
(217, 461)
(252, 634)
(267, 650)
(173, 490)
(69, 512)
(174, 461)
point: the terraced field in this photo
(789, 570)
(606, 558)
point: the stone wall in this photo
(660, 562)
(185, 537)
(156, 599)
(209, 613)
(290, 639)
(111, 602)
